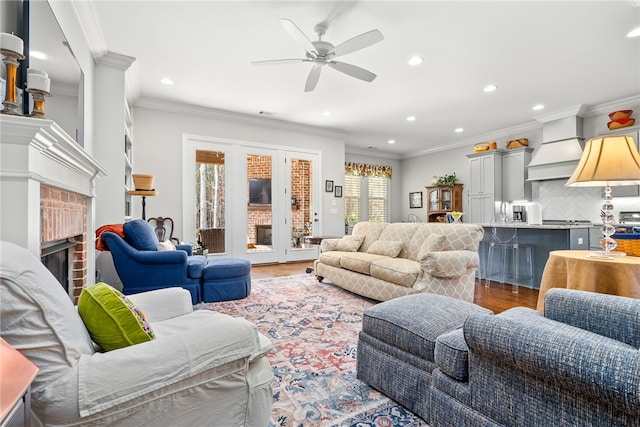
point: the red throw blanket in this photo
(114, 228)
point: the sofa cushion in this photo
(370, 231)
(167, 245)
(141, 235)
(435, 242)
(386, 247)
(359, 262)
(195, 266)
(400, 271)
(331, 258)
(113, 321)
(452, 354)
(349, 243)
(400, 232)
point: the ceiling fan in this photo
(321, 53)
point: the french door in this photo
(249, 201)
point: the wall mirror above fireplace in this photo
(49, 51)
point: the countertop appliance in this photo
(628, 222)
(519, 213)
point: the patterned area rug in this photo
(314, 327)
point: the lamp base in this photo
(606, 255)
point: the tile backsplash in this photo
(576, 203)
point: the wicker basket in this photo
(629, 245)
(517, 143)
(143, 182)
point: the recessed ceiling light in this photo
(326, 113)
(416, 60)
(538, 107)
(634, 33)
(458, 130)
(411, 118)
(490, 88)
(166, 81)
(37, 54)
(391, 141)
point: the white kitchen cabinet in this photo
(481, 209)
(514, 172)
(485, 185)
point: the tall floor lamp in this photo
(607, 161)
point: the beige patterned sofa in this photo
(383, 260)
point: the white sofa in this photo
(202, 368)
(382, 260)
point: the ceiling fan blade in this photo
(298, 35)
(357, 43)
(279, 61)
(352, 70)
(312, 79)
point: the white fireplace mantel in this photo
(34, 152)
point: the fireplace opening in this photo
(57, 257)
(263, 234)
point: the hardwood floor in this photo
(498, 297)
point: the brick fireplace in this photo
(47, 184)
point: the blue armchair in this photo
(142, 267)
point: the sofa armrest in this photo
(581, 362)
(184, 247)
(163, 304)
(448, 264)
(220, 346)
(608, 315)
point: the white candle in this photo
(11, 42)
(38, 80)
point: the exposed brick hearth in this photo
(64, 216)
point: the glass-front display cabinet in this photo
(443, 199)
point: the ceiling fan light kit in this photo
(321, 53)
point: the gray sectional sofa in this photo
(578, 364)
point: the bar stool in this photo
(506, 239)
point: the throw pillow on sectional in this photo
(113, 321)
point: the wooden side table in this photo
(17, 373)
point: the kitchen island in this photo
(543, 238)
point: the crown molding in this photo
(502, 133)
(619, 104)
(575, 110)
(212, 113)
(90, 24)
(116, 61)
(372, 153)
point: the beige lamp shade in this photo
(607, 161)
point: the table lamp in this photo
(607, 161)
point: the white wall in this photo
(157, 150)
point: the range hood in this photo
(555, 159)
(558, 155)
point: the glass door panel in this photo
(303, 212)
(433, 200)
(259, 203)
(209, 200)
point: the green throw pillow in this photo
(113, 321)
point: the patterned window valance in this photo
(363, 169)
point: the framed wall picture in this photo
(328, 186)
(415, 200)
(338, 191)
